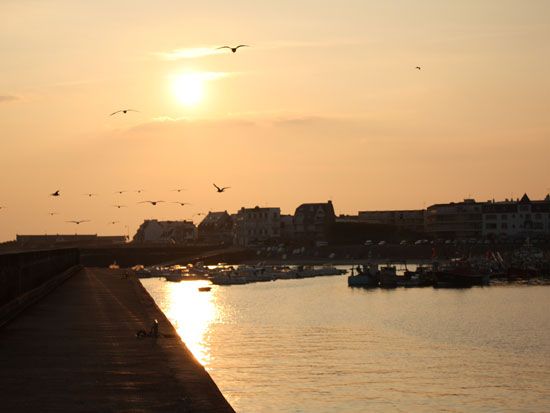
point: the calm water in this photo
(315, 345)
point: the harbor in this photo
(335, 348)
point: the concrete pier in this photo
(76, 350)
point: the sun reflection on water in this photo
(192, 312)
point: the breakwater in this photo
(77, 350)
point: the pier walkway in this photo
(76, 351)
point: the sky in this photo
(326, 103)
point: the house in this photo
(257, 225)
(517, 218)
(153, 231)
(312, 222)
(216, 228)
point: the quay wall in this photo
(130, 255)
(21, 273)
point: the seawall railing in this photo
(22, 274)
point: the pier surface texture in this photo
(76, 350)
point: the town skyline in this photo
(329, 104)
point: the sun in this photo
(189, 88)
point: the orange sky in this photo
(325, 104)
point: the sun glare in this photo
(189, 88)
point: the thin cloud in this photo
(189, 53)
(8, 98)
(198, 52)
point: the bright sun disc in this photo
(189, 88)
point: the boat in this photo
(459, 274)
(367, 276)
(388, 276)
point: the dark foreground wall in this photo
(25, 271)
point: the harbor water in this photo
(316, 345)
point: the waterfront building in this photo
(153, 231)
(216, 228)
(347, 218)
(257, 225)
(412, 220)
(312, 222)
(287, 227)
(455, 220)
(517, 218)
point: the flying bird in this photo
(139, 191)
(233, 49)
(56, 193)
(181, 203)
(150, 202)
(222, 189)
(90, 195)
(53, 213)
(178, 190)
(113, 222)
(123, 111)
(120, 192)
(78, 222)
(418, 68)
(119, 206)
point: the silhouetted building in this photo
(412, 220)
(166, 232)
(516, 218)
(66, 240)
(312, 222)
(455, 220)
(216, 228)
(257, 225)
(347, 218)
(287, 227)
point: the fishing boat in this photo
(459, 274)
(367, 276)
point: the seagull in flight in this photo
(113, 222)
(178, 190)
(123, 111)
(119, 206)
(198, 214)
(233, 49)
(56, 193)
(181, 203)
(150, 202)
(418, 68)
(53, 213)
(139, 191)
(90, 195)
(78, 222)
(120, 192)
(222, 189)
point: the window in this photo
(538, 216)
(504, 217)
(490, 226)
(504, 225)
(490, 217)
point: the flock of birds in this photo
(57, 193)
(219, 189)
